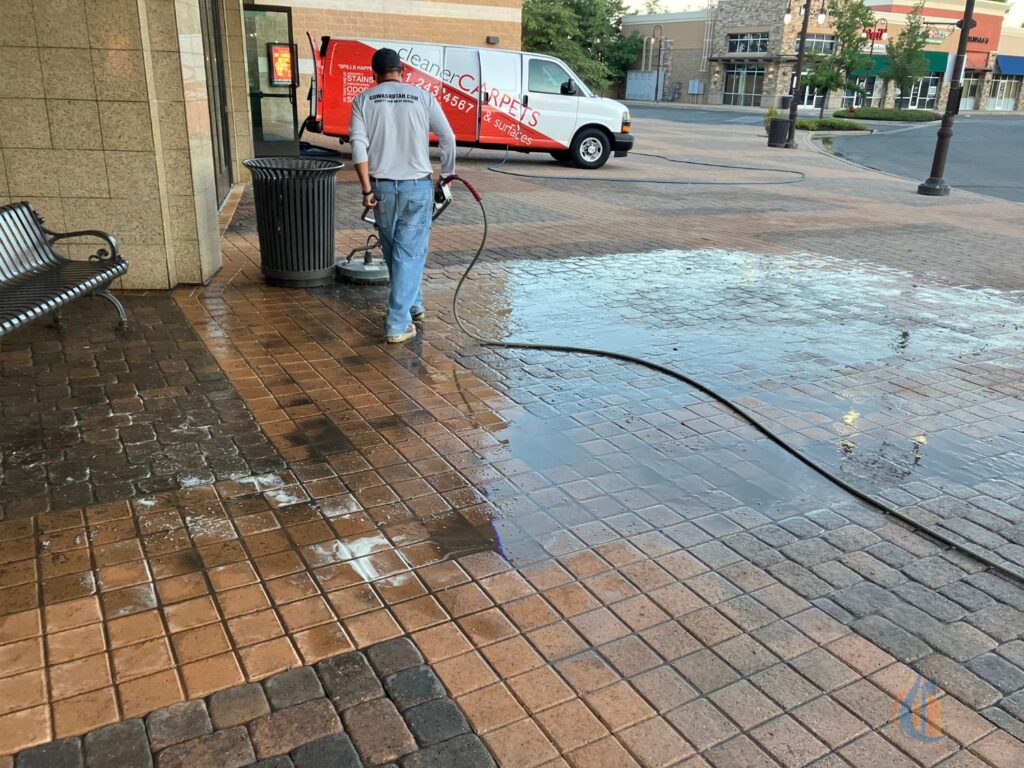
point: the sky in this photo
(1014, 18)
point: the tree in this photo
(849, 20)
(835, 70)
(825, 76)
(653, 6)
(585, 34)
(907, 64)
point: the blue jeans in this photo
(403, 224)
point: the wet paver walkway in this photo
(598, 566)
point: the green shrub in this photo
(769, 115)
(829, 124)
(898, 115)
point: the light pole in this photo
(936, 185)
(878, 32)
(658, 33)
(794, 87)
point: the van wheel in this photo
(590, 148)
(563, 156)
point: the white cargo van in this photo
(527, 102)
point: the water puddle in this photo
(896, 383)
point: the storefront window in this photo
(971, 90)
(1004, 93)
(868, 98)
(743, 85)
(748, 42)
(809, 96)
(818, 43)
(925, 92)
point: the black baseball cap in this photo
(386, 60)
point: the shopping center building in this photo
(743, 52)
(134, 116)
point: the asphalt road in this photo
(984, 156)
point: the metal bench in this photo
(35, 280)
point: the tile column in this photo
(104, 124)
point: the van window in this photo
(547, 76)
(501, 71)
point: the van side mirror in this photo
(569, 88)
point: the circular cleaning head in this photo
(362, 273)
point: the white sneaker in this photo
(417, 317)
(410, 332)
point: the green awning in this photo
(937, 61)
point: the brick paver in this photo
(596, 564)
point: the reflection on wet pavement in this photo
(911, 391)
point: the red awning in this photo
(977, 60)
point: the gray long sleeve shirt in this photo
(390, 130)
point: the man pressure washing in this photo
(390, 135)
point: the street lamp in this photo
(794, 86)
(659, 34)
(936, 185)
(878, 32)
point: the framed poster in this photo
(282, 64)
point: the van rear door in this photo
(347, 73)
(554, 95)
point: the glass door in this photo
(925, 91)
(743, 85)
(969, 94)
(273, 78)
(809, 96)
(213, 53)
(1003, 95)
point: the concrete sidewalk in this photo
(589, 564)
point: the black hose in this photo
(739, 410)
(799, 175)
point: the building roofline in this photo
(989, 7)
(664, 18)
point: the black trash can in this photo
(295, 218)
(778, 131)
(785, 100)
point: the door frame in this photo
(750, 72)
(220, 126)
(259, 146)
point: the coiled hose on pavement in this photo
(739, 410)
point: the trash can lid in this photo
(292, 164)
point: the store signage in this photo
(282, 70)
(938, 32)
(977, 39)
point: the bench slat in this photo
(35, 279)
(23, 245)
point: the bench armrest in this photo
(102, 254)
